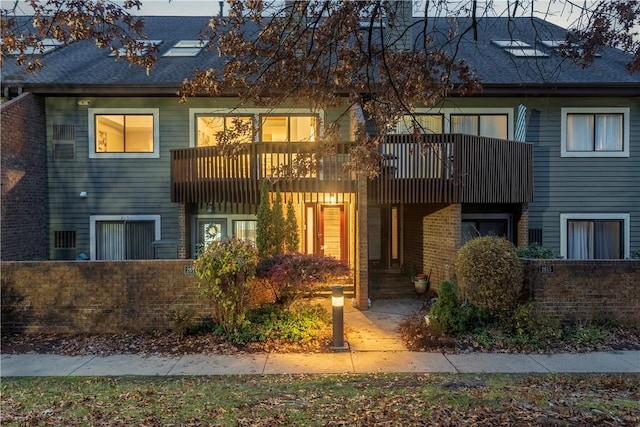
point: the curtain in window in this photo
(579, 233)
(609, 132)
(579, 132)
(493, 126)
(607, 239)
(110, 238)
(464, 124)
(139, 239)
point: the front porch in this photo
(433, 177)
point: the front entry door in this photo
(325, 230)
(384, 236)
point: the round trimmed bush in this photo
(489, 274)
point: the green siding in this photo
(119, 186)
(580, 185)
(130, 186)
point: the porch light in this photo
(337, 304)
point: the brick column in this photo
(183, 231)
(523, 226)
(362, 245)
(442, 237)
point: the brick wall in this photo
(95, 297)
(121, 296)
(441, 241)
(587, 290)
(24, 225)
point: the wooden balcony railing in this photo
(453, 168)
(448, 168)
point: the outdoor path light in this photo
(337, 304)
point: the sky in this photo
(552, 10)
(564, 13)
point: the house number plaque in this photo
(545, 269)
(188, 269)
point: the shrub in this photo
(291, 229)
(225, 269)
(531, 324)
(490, 274)
(265, 234)
(635, 254)
(294, 275)
(446, 312)
(535, 250)
(182, 318)
(274, 322)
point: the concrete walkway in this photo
(373, 342)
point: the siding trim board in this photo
(123, 111)
(595, 110)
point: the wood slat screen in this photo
(443, 168)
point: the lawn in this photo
(315, 400)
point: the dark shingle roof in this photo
(81, 64)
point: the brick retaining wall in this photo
(121, 296)
(578, 291)
(95, 297)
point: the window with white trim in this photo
(595, 132)
(123, 133)
(121, 237)
(594, 236)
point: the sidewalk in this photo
(373, 346)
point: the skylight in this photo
(553, 43)
(510, 43)
(527, 53)
(185, 48)
(556, 44)
(48, 44)
(122, 51)
(519, 49)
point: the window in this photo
(288, 128)
(245, 229)
(593, 132)
(494, 125)
(420, 123)
(485, 225)
(519, 49)
(221, 130)
(43, 47)
(185, 48)
(121, 237)
(213, 129)
(115, 133)
(594, 236)
(279, 129)
(145, 45)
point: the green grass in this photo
(314, 400)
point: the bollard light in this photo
(337, 304)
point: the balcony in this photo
(448, 168)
